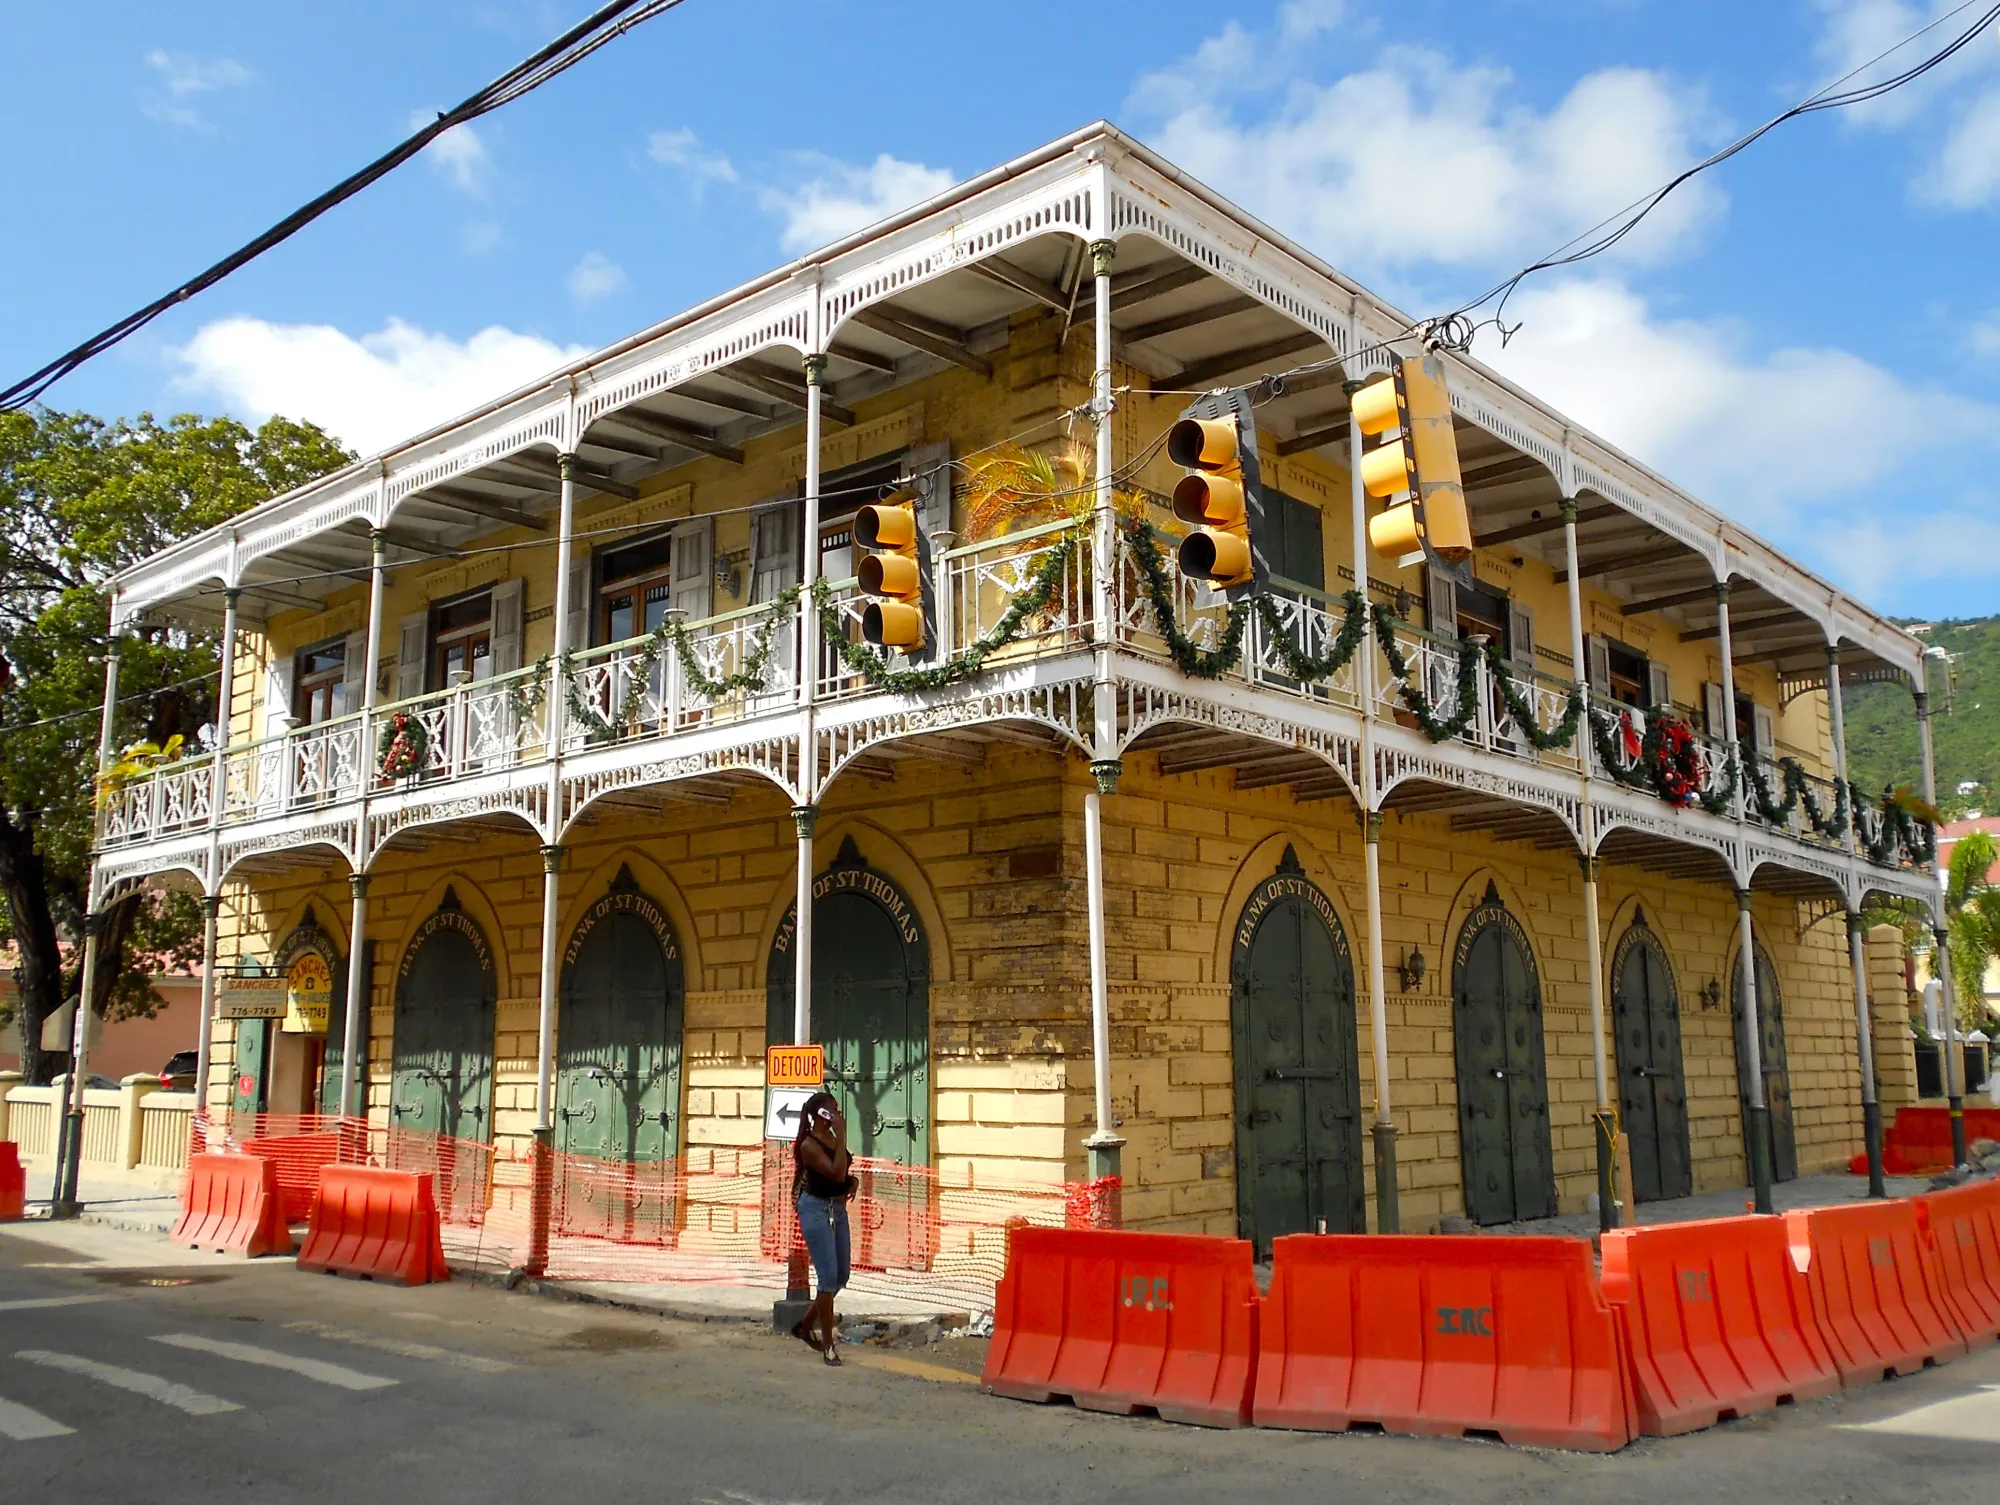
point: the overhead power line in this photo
(605, 25)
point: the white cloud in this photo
(479, 236)
(460, 154)
(596, 276)
(839, 197)
(1984, 336)
(371, 391)
(1416, 159)
(683, 150)
(1961, 94)
(179, 79)
(1814, 447)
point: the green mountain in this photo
(1882, 729)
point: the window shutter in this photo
(1766, 726)
(1659, 687)
(1598, 651)
(507, 603)
(576, 621)
(1714, 711)
(278, 696)
(353, 673)
(411, 647)
(774, 550)
(1441, 604)
(692, 580)
(1521, 634)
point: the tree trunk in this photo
(39, 972)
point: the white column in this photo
(1105, 1144)
(805, 814)
(211, 923)
(353, 1102)
(1388, 1210)
(1757, 1132)
(1728, 656)
(559, 650)
(225, 696)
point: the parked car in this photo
(178, 1074)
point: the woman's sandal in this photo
(831, 1355)
(799, 1332)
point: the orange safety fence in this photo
(711, 1216)
(1964, 1228)
(1919, 1143)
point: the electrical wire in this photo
(602, 27)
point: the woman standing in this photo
(822, 1182)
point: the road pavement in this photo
(130, 1372)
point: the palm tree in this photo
(1972, 911)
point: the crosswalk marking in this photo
(42, 1303)
(402, 1347)
(23, 1425)
(312, 1369)
(166, 1392)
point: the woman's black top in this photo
(811, 1182)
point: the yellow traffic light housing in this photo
(893, 573)
(1417, 459)
(1220, 497)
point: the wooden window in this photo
(1294, 541)
(1618, 672)
(635, 589)
(462, 640)
(319, 675)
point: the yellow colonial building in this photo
(1378, 898)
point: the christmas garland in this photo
(874, 667)
(1777, 812)
(1667, 760)
(751, 678)
(1308, 667)
(1435, 727)
(1195, 662)
(1522, 710)
(403, 747)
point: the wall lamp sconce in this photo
(1711, 994)
(1412, 969)
(728, 572)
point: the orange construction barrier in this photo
(1124, 1322)
(377, 1224)
(1717, 1321)
(13, 1182)
(1964, 1225)
(1919, 1141)
(231, 1204)
(1440, 1336)
(1875, 1288)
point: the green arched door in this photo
(441, 1083)
(1297, 1067)
(1503, 1091)
(1783, 1144)
(1652, 1090)
(618, 1070)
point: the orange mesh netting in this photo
(713, 1216)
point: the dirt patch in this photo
(609, 1339)
(142, 1278)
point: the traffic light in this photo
(1417, 459)
(1221, 495)
(894, 573)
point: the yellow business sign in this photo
(308, 995)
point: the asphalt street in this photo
(134, 1373)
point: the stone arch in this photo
(469, 897)
(658, 885)
(888, 856)
(1255, 870)
(1469, 897)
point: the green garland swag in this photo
(751, 678)
(874, 667)
(1649, 770)
(1798, 793)
(1895, 828)
(1438, 729)
(1197, 663)
(1522, 710)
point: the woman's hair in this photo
(818, 1103)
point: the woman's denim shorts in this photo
(823, 1224)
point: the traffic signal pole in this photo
(1105, 1145)
(1388, 1216)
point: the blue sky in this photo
(1810, 340)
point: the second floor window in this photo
(636, 590)
(462, 640)
(319, 673)
(1620, 672)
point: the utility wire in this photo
(603, 26)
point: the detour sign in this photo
(795, 1066)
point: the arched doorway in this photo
(1652, 1086)
(1782, 1143)
(441, 1077)
(871, 1006)
(618, 1069)
(1298, 1089)
(1503, 1089)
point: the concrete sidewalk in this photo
(1828, 1189)
(139, 1209)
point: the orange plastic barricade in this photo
(231, 1204)
(1875, 1288)
(1964, 1225)
(1717, 1321)
(13, 1182)
(377, 1224)
(1124, 1322)
(1439, 1336)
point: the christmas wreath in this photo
(1679, 768)
(402, 747)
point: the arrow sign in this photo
(783, 1107)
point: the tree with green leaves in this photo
(1972, 919)
(81, 499)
